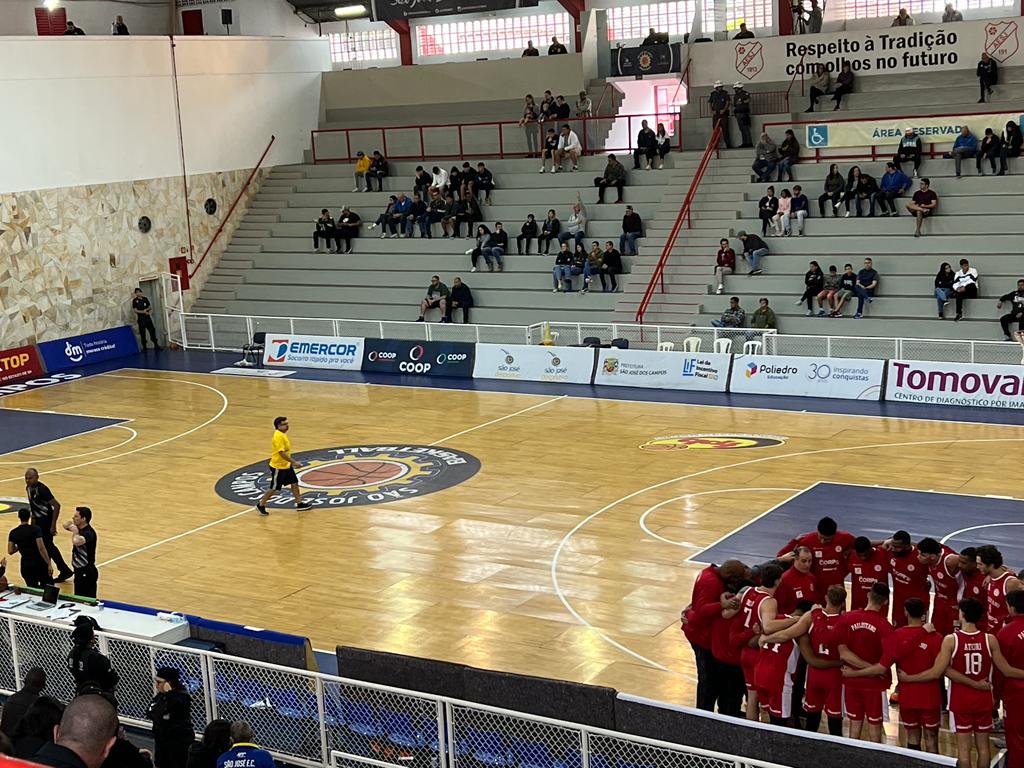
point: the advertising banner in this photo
(519, 362)
(885, 51)
(392, 10)
(333, 352)
(662, 370)
(423, 358)
(939, 130)
(15, 388)
(968, 384)
(657, 59)
(847, 379)
(88, 348)
(19, 363)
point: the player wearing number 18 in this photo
(282, 468)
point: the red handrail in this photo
(231, 210)
(799, 70)
(684, 214)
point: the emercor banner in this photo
(19, 363)
(848, 379)
(518, 362)
(333, 352)
(88, 348)
(662, 370)
(938, 130)
(425, 358)
(969, 384)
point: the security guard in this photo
(719, 102)
(90, 669)
(741, 109)
(143, 310)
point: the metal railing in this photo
(799, 70)
(313, 719)
(658, 276)
(761, 103)
(476, 139)
(891, 348)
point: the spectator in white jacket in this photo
(439, 180)
(965, 286)
(568, 145)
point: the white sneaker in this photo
(373, 226)
(798, 302)
(720, 288)
(541, 169)
(383, 235)
(355, 189)
(473, 269)
(394, 235)
(554, 290)
(847, 215)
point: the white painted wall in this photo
(96, 110)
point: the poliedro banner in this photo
(662, 370)
(519, 362)
(335, 353)
(937, 130)
(847, 379)
(967, 384)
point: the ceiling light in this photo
(51, 5)
(350, 11)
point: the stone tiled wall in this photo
(70, 257)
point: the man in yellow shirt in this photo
(362, 166)
(282, 468)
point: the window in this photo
(872, 9)
(633, 21)
(667, 99)
(756, 14)
(368, 45)
(503, 33)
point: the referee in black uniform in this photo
(45, 511)
(144, 314)
(83, 552)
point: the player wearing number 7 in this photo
(282, 468)
(966, 658)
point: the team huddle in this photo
(792, 639)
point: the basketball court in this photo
(550, 532)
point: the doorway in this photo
(192, 22)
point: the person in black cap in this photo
(171, 713)
(90, 669)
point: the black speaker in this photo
(225, 17)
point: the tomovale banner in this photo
(970, 384)
(937, 130)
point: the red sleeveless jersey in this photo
(996, 608)
(946, 587)
(750, 606)
(972, 658)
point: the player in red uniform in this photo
(909, 577)
(943, 566)
(999, 582)
(728, 674)
(861, 636)
(797, 584)
(1011, 643)
(775, 668)
(868, 564)
(830, 548)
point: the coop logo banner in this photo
(356, 475)
(339, 353)
(514, 362)
(843, 378)
(423, 358)
(861, 133)
(89, 348)
(966, 384)
(662, 370)
(19, 363)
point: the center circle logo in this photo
(11, 504)
(356, 475)
(712, 442)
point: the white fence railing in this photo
(315, 719)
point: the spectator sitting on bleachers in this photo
(436, 298)
(399, 213)
(844, 84)
(325, 230)
(596, 257)
(378, 170)
(754, 249)
(611, 265)
(439, 180)
(17, 704)
(965, 286)
(384, 220)
(581, 265)
(834, 186)
(814, 285)
(821, 83)
(547, 105)
(483, 239)
(966, 145)
(725, 263)
(530, 50)
(850, 191)
(781, 218)
(562, 110)
(421, 182)
(562, 271)
(646, 146)
(764, 316)
(457, 181)
(556, 47)
(1012, 139)
(85, 736)
(988, 75)
(496, 247)
(733, 317)
(451, 222)
(829, 288)
(767, 207)
(614, 176)
(35, 729)
(576, 226)
(550, 230)
(847, 284)
(894, 183)
(924, 203)
(789, 155)
(799, 209)
(867, 189)
(461, 298)
(348, 228)
(550, 147)
(1016, 313)
(215, 742)
(663, 143)
(438, 210)
(568, 146)
(903, 19)
(632, 228)
(867, 283)
(527, 232)
(469, 213)
(584, 105)
(951, 14)
(909, 150)
(989, 149)
(417, 211)
(484, 181)
(359, 174)
(944, 287)
(243, 751)
(766, 158)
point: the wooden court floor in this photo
(536, 564)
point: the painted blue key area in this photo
(877, 513)
(26, 429)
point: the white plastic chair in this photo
(723, 346)
(691, 344)
(752, 348)
(667, 346)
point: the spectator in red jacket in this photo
(725, 263)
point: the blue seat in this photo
(486, 747)
(291, 703)
(401, 730)
(225, 690)
(360, 718)
(531, 754)
(252, 694)
(573, 759)
(333, 713)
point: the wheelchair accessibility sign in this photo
(817, 136)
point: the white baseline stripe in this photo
(24, 462)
